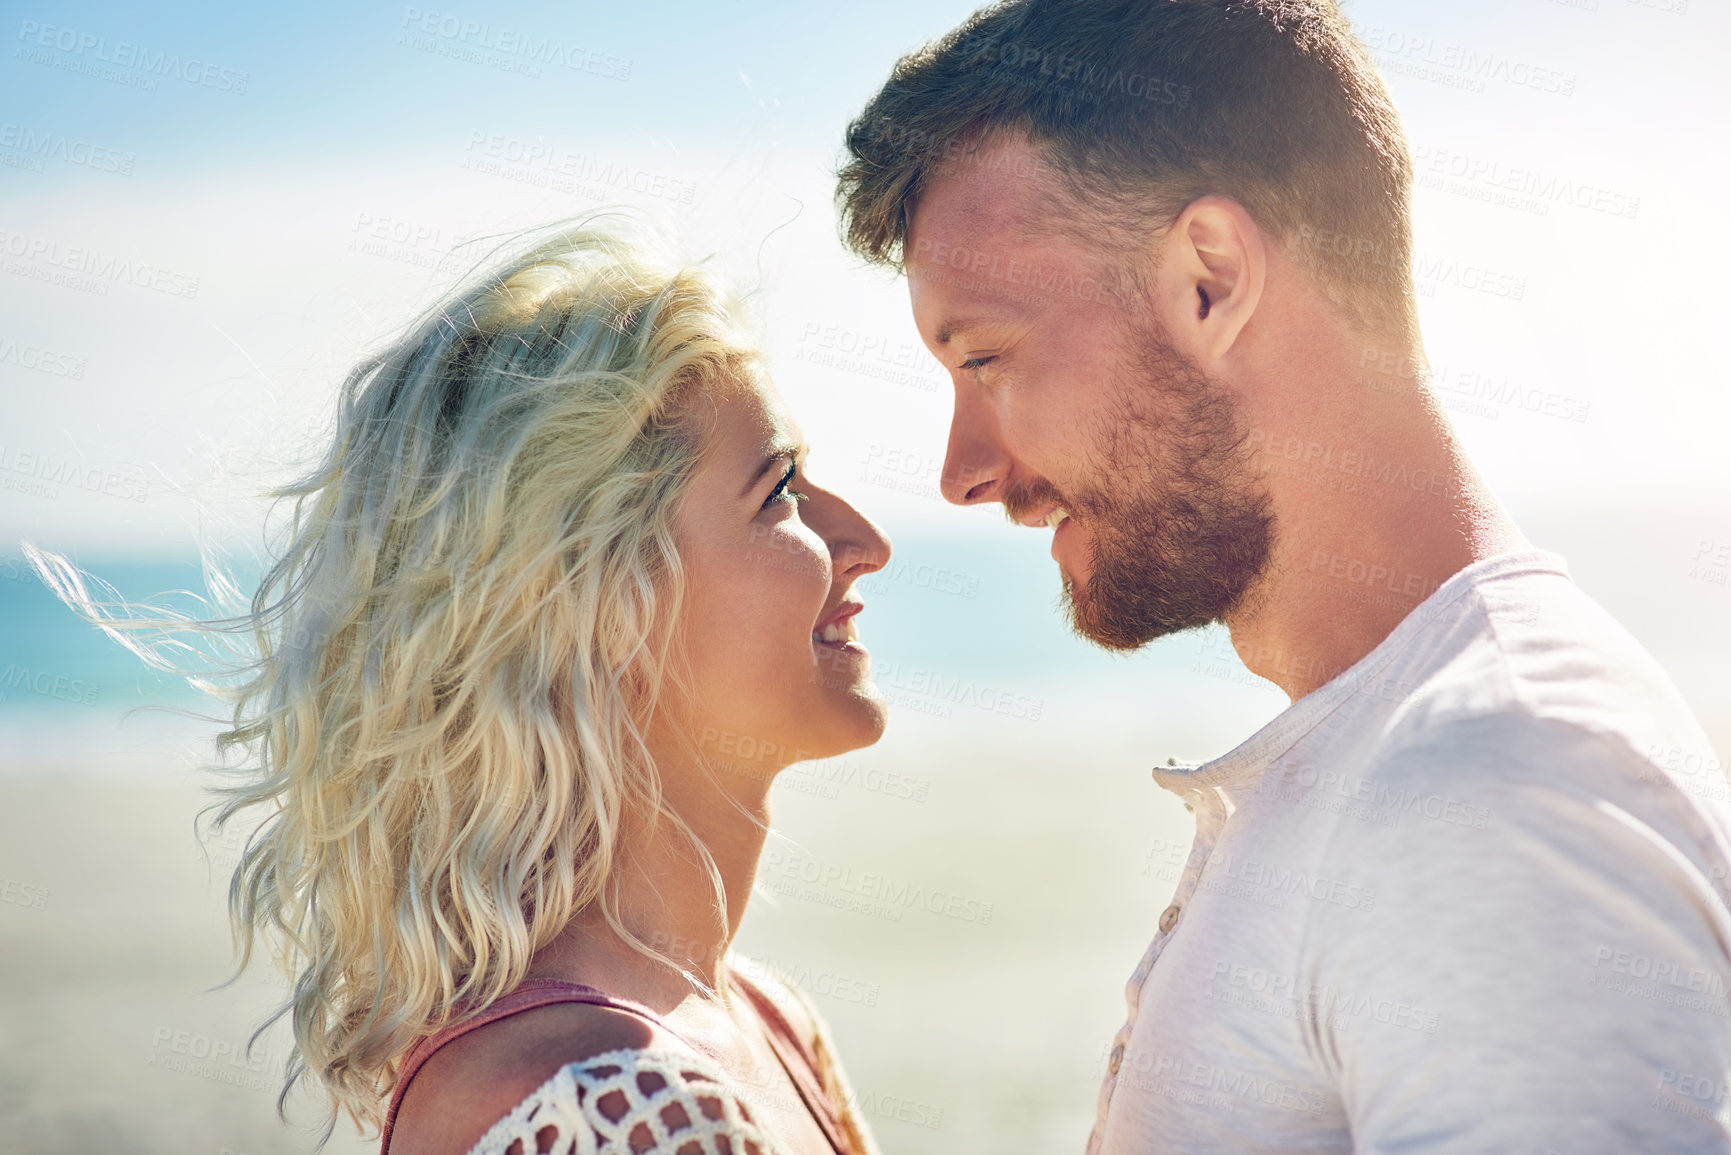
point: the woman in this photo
(559, 555)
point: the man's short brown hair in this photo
(1140, 107)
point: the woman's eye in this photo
(976, 363)
(782, 491)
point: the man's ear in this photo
(1213, 264)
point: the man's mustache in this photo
(1022, 498)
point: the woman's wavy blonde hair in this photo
(453, 659)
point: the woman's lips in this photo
(839, 633)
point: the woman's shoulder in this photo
(629, 1102)
(477, 1077)
(793, 1004)
(593, 1075)
(812, 1033)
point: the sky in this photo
(272, 190)
(288, 191)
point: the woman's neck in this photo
(666, 895)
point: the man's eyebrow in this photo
(776, 452)
(948, 330)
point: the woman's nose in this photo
(856, 545)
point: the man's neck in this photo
(1376, 505)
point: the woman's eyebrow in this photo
(776, 453)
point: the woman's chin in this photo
(877, 709)
(855, 721)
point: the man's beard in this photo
(1180, 527)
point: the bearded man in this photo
(1468, 893)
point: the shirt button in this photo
(1168, 918)
(1117, 1059)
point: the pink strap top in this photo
(795, 1054)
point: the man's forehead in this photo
(996, 193)
(977, 234)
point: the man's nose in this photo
(975, 463)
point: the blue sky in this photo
(333, 80)
(361, 123)
(292, 225)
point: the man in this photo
(1468, 893)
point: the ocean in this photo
(1007, 819)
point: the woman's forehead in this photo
(751, 410)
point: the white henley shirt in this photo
(1470, 896)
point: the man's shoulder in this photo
(1507, 804)
(1532, 676)
(1487, 818)
(1505, 641)
(1510, 745)
(1533, 766)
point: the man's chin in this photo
(1074, 578)
(1130, 620)
(1097, 624)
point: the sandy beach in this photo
(974, 916)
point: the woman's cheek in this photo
(789, 556)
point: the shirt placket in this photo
(1209, 806)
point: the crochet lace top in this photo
(652, 1102)
(630, 1102)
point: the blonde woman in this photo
(561, 540)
